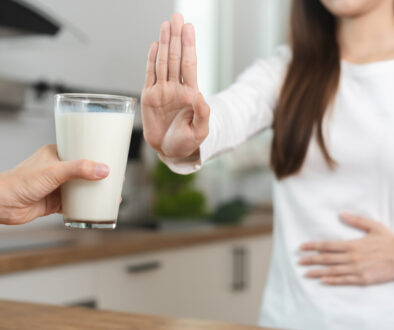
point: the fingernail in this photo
(304, 246)
(345, 215)
(101, 170)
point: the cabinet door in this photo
(144, 283)
(217, 282)
(59, 285)
(209, 281)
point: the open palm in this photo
(174, 114)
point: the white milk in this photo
(101, 137)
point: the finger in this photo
(334, 246)
(330, 271)
(78, 169)
(342, 280)
(175, 52)
(150, 78)
(162, 55)
(201, 117)
(360, 222)
(326, 259)
(189, 57)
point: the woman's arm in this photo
(31, 189)
(178, 123)
(239, 112)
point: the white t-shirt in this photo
(359, 133)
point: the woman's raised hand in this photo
(174, 114)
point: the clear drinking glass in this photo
(95, 127)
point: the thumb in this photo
(78, 169)
(201, 117)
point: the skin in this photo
(174, 114)
(366, 30)
(365, 261)
(175, 119)
(31, 189)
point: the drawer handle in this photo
(240, 266)
(143, 267)
(89, 303)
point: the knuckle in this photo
(331, 271)
(48, 149)
(315, 259)
(51, 174)
(354, 258)
(201, 135)
(52, 168)
(47, 153)
(149, 71)
(84, 167)
(174, 56)
(190, 63)
(161, 61)
(358, 268)
(351, 246)
(365, 279)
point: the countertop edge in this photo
(14, 262)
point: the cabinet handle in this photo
(143, 267)
(239, 268)
(89, 303)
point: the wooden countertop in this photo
(17, 315)
(88, 245)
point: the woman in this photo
(330, 105)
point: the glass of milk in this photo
(95, 127)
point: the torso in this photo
(360, 137)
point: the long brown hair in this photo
(310, 85)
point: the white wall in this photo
(259, 26)
(249, 29)
(113, 56)
(203, 14)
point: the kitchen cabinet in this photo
(218, 281)
(140, 284)
(66, 285)
(224, 281)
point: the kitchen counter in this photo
(17, 315)
(71, 246)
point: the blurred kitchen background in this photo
(201, 251)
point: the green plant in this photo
(230, 212)
(175, 196)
